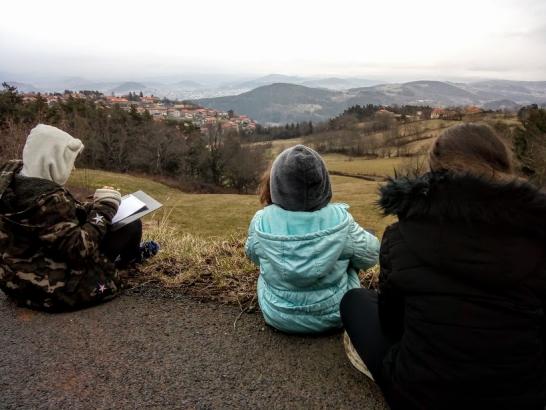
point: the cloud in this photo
(130, 39)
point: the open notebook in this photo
(134, 206)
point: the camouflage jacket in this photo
(50, 255)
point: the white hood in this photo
(49, 153)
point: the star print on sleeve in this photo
(98, 220)
(102, 288)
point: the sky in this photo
(389, 40)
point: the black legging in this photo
(125, 243)
(360, 317)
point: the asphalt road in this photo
(139, 352)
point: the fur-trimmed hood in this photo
(488, 233)
(442, 196)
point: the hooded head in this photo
(299, 180)
(49, 153)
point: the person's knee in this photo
(356, 300)
(351, 297)
(134, 229)
(136, 226)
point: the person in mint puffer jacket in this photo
(309, 251)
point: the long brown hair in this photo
(472, 149)
(264, 190)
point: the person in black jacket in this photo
(459, 318)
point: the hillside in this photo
(129, 86)
(416, 92)
(189, 85)
(202, 236)
(222, 216)
(335, 83)
(268, 80)
(503, 104)
(345, 91)
(332, 83)
(283, 102)
(522, 92)
(23, 87)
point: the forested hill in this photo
(284, 103)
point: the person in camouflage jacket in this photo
(50, 243)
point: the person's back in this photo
(473, 292)
(460, 314)
(56, 252)
(309, 251)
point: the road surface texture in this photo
(140, 352)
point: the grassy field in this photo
(203, 215)
(281, 145)
(362, 166)
(225, 215)
(202, 235)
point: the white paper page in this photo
(129, 205)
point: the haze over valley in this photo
(277, 99)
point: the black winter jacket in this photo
(463, 290)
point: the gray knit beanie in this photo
(300, 180)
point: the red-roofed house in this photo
(437, 113)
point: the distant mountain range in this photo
(280, 103)
(332, 83)
(278, 98)
(182, 89)
(129, 87)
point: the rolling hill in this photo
(282, 102)
(130, 86)
(335, 83)
(518, 91)
(23, 87)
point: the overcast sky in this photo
(396, 39)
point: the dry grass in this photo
(280, 145)
(203, 215)
(215, 270)
(222, 216)
(208, 269)
(202, 236)
(361, 166)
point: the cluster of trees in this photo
(133, 96)
(292, 130)
(367, 117)
(530, 143)
(127, 141)
(369, 114)
(359, 131)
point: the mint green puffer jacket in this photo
(308, 260)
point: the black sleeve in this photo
(543, 298)
(391, 300)
(538, 284)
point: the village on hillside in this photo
(159, 109)
(205, 119)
